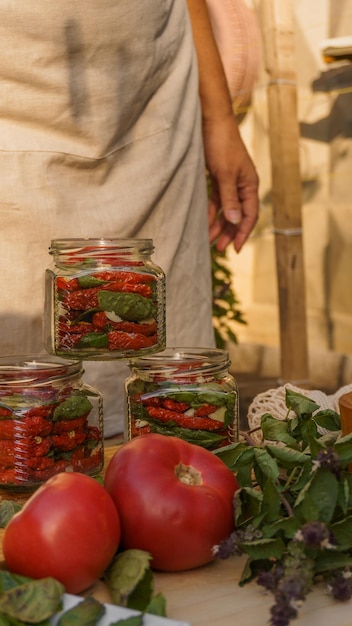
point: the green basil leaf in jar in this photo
(129, 306)
(71, 408)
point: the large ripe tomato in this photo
(175, 500)
(68, 529)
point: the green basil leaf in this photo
(9, 580)
(134, 620)
(343, 449)
(287, 456)
(342, 533)
(264, 548)
(72, 408)
(318, 498)
(328, 419)
(90, 280)
(276, 430)
(271, 503)
(88, 612)
(229, 454)
(267, 464)
(93, 340)
(33, 601)
(8, 508)
(157, 605)
(129, 306)
(300, 404)
(125, 573)
(140, 597)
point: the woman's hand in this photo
(233, 204)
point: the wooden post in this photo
(278, 38)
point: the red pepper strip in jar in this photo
(143, 290)
(6, 429)
(6, 453)
(100, 321)
(64, 426)
(128, 277)
(69, 440)
(37, 446)
(205, 410)
(67, 284)
(202, 423)
(173, 405)
(131, 341)
(36, 425)
(86, 299)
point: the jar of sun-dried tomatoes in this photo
(184, 392)
(50, 421)
(104, 299)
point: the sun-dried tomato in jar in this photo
(50, 421)
(184, 392)
(104, 299)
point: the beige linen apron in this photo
(100, 136)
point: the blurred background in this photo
(322, 86)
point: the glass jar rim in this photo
(183, 361)
(36, 369)
(100, 244)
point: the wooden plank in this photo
(278, 37)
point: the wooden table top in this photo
(211, 596)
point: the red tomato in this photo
(68, 529)
(174, 499)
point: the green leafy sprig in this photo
(293, 511)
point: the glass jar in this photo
(50, 421)
(104, 299)
(184, 392)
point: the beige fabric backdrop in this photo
(100, 136)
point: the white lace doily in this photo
(273, 402)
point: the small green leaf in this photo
(93, 340)
(344, 495)
(300, 404)
(318, 499)
(264, 548)
(142, 594)
(276, 430)
(286, 527)
(33, 601)
(125, 573)
(129, 306)
(8, 508)
(88, 612)
(267, 464)
(134, 620)
(343, 448)
(157, 605)
(90, 280)
(247, 503)
(330, 560)
(9, 580)
(328, 419)
(288, 456)
(72, 408)
(271, 503)
(229, 454)
(251, 570)
(342, 533)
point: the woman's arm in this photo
(233, 208)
